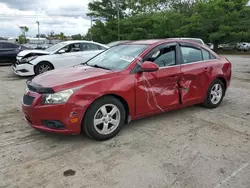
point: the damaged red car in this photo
(124, 83)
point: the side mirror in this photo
(149, 66)
(61, 51)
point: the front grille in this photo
(53, 124)
(28, 100)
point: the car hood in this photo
(26, 52)
(69, 77)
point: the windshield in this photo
(117, 57)
(55, 47)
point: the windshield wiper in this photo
(98, 66)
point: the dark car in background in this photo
(9, 51)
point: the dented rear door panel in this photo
(194, 81)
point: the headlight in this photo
(28, 59)
(58, 98)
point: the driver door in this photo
(159, 91)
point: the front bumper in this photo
(36, 114)
(23, 69)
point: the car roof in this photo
(82, 41)
(159, 41)
(147, 42)
(74, 41)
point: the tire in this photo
(210, 101)
(43, 65)
(96, 113)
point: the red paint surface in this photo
(145, 93)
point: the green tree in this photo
(107, 9)
(217, 21)
(76, 37)
(22, 38)
(62, 36)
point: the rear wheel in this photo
(104, 118)
(215, 94)
(43, 67)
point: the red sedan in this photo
(124, 83)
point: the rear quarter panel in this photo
(221, 68)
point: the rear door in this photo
(158, 91)
(196, 68)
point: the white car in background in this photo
(68, 53)
(243, 46)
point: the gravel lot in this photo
(192, 147)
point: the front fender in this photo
(122, 86)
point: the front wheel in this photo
(43, 67)
(215, 94)
(104, 118)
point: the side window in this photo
(71, 48)
(101, 47)
(212, 56)
(191, 55)
(75, 47)
(89, 47)
(207, 55)
(164, 57)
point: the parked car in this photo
(227, 47)
(210, 45)
(197, 40)
(34, 62)
(124, 83)
(115, 43)
(243, 46)
(9, 51)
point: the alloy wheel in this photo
(216, 93)
(44, 68)
(107, 118)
